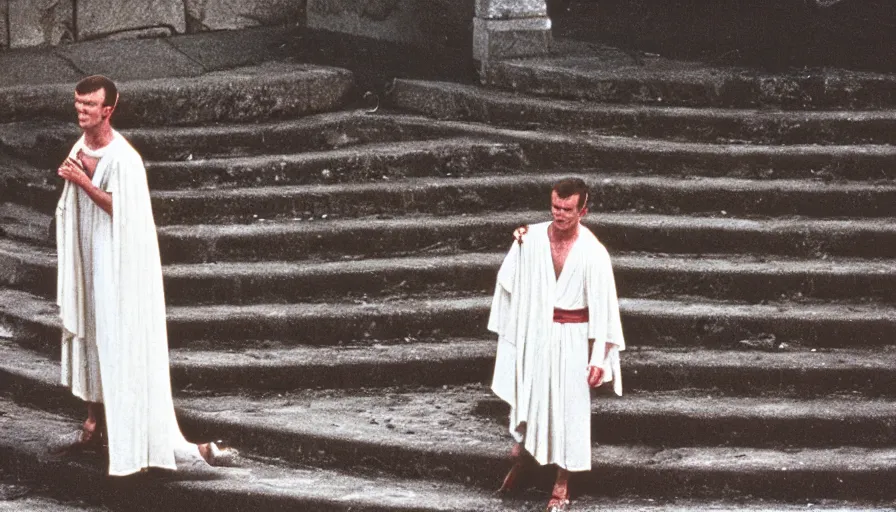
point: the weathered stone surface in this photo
(502, 39)
(504, 9)
(156, 58)
(405, 21)
(203, 15)
(40, 22)
(4, 26)
(97, 18)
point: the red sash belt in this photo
(571, 316)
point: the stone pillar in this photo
(510, 28)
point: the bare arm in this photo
(74, 172)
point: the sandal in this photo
(216, 456)
(558, 505)
(559, 497)
(74, 442)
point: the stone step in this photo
(265, 485)
(369, 162)
(447, 437)
(646, 322)
(439, 435)
(658, 81)
(675, 417)
(46, 143)
(747, 278)
(415, 234)
(446, 100)
(268, 91)
(477, 195)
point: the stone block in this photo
(40, 22)
(99, 18)
(504, 39)
(205, 15)
(508, 9)
(442, 22)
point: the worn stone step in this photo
(747, 278)
(675, 417)
(376, 237)
(257, 485)
(447, 437)
(439, 434)
(775, 374)
(266, 485)
(370, 162)
(46, 143)
(452, 196)
(268, 91)
(646, 322)
(658, 81)
(446, 100)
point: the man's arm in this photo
(75, 173)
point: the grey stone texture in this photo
(156, 56)
(4, 27)
(204, 15)
(98, 18)
(402, 21)
(503, 39)
(503, 9)
(39, 22)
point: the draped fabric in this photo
(541, 366)
(112, 305)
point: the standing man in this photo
(109, 285)
(559, 333)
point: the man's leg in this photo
(93, 428)
(560, 496)
(511, 481)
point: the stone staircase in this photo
(328, 274)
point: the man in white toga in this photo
(109, 285)
(556, 314)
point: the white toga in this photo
(112, 305)
(541, 366)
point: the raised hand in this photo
(519, 233)
(73, 170)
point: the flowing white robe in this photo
(112, 305)
(541, 366)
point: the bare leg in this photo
(560, 496)
(511, 481)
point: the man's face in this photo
(91, 112)
(566, 211)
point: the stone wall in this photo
(25, 23)
(773, 33)
(446, 23)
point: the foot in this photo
(558, 505)
(74, 442)
(216, 456)
(560, 496)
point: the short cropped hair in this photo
(94, 83)
(571, 186)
